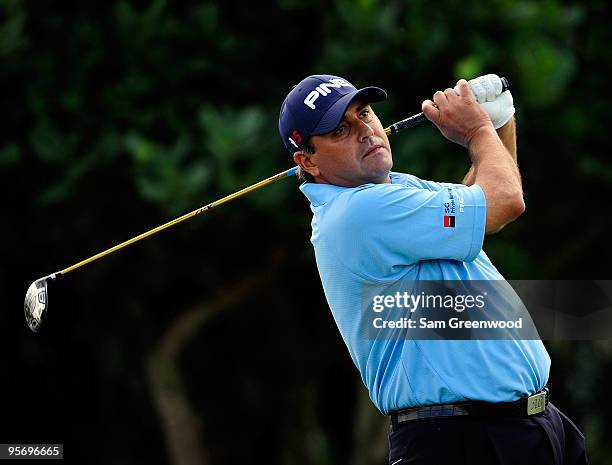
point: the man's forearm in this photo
(470, 177)
(497, 174)
(507, 134)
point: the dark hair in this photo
(303, 175)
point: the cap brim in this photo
(331, 119)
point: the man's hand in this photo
(462, 120)
(458, 117)
(487, 90)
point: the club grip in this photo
(420, 117)
(505, 84)
(407, 123)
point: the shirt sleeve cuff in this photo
(476, 198)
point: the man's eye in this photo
(366, 115)
(339, 130)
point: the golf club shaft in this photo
(396, 127)
(246, 190)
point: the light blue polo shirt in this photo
(398, 231)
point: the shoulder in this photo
(366, 195)
(411, 180)
(373, 204)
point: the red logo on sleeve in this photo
(449, 221)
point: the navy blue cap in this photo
(317, 105)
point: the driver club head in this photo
(36, 302)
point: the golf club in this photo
(419, 118)
(37, 296)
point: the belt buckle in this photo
(536, 403)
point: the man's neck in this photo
(348, 183)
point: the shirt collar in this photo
(320, 194)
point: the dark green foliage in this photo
(121, 115)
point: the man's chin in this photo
(380, 176)
(380, 170)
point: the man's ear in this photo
(304, 161)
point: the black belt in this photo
(526, 406)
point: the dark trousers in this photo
(548, 438)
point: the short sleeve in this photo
(401, 225)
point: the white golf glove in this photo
(499, 105)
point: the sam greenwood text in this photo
(453, 323)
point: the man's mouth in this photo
(372, 150)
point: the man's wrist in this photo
(506, 125)
(480, 135)
(507, 134)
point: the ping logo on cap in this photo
(324, 90)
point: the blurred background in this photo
(212, 342)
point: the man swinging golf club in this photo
(450, 401)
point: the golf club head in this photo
(36, 302)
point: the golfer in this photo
(449, 401)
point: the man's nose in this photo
(365, 131)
